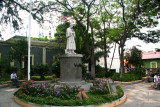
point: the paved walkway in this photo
(141, 95)
(138, 95)
(6, 97)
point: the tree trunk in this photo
(92, 54)
(105, 47)
(20, 65)
(122, 60)
(92, 64)
(105, 54)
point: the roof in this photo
(150, 55)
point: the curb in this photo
(128, 83)
(113, 104)
(23, 104)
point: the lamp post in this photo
(29, 40)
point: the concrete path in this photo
(6, 97)
(141, 95)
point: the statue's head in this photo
(71, 25)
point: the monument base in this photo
(71, 72)
(71, 68)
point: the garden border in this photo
(113, 104)
(128, 83)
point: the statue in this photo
(70, 46)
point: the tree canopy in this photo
(18, 51)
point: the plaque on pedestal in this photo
(111, 86)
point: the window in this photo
(153, 64)
(25, 62)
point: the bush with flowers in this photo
(44, 94)
(44, 90)
(99, 87)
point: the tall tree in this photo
(133, 18)
(107, 11)
(18, 51)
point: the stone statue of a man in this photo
(70, 46)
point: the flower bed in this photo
(44, 94)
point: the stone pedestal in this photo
(71, 69)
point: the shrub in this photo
(126, 77)
(4, 64)
(99, 87)
(38, 78)
(110, 73)
(41, 70)
(140, 71)
(116, 77)
(65, 92)
(100, 71)
(56, 68)
(4, 76)
(98, 68)
(101, 74)
(88, 76)
(22, 74)
(11, 69)
(44, 90)
(25, 86)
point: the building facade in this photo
(151, 59)
(42, 52)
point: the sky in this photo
(46, 28)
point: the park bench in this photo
(148, 79)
